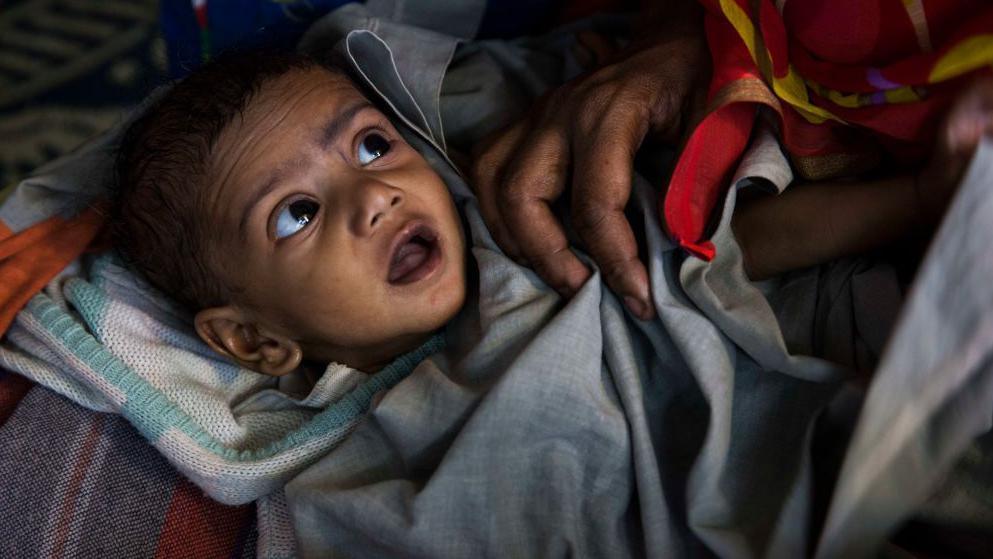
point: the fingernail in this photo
(639, 308)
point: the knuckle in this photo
(522, 186)
(616, 268)
(593, 105)
(496, 152)
(613, 114)
(485, 158)
(588, 216)
(601, 97)
(514, 212)
(515, 192)
(482, 179)
(613, 265)
(484, 172)
(642, 85)
(588, 121)
(552, 275)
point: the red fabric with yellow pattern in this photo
(846, 77)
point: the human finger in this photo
(488, 168)
(535, 179)
(604, 154)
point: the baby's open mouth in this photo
(415, 256)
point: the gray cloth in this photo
(933, 393)
(569, 428)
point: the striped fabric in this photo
(78, 483)
(123, 348)
(12, 389)
(231, 433)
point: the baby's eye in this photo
(295, 216)
(373, 147)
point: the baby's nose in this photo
(377, 200)
(394, 201)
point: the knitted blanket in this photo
(112, 343)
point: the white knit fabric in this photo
(113, 343)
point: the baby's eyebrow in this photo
(328, 135)
(338, 123)
(277, 176)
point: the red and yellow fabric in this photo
(848, 80)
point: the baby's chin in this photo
(418, 323)
(373, 357)
(407, 343)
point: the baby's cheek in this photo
(451, 296)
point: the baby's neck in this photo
(367, 359)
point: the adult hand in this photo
(588, 129)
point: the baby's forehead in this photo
(330, 85)
(300, 100)
(284, 126)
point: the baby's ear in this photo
(227, 332)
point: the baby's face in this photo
(335, 232)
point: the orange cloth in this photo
(31, 258)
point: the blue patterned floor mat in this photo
(68, 70)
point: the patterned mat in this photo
(68, 70)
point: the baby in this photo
(268, 194)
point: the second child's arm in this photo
(813, 223)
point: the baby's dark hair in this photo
(157, 218)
